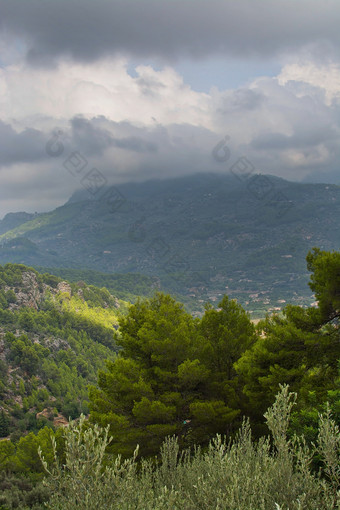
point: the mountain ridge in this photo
(201, 235)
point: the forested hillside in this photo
(167, 373)
(54, 336)
(128, 286)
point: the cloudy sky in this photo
(139, 89)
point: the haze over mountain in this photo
(202, 235)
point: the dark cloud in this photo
(87, 30)
(84, 135)
(120, 152)
(27, 146)
(240, 100)
(308, 137)
(87, 136)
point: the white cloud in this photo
(101, 88)
(324, 77)
(152, 124)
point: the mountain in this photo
(202, 236)
(13, 220)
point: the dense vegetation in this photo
(272, 473)
(170, 375)
(174, 374)
(197, 377)
(127, 286)
(53, 339)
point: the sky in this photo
(131, 90)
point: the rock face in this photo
(29, 294)
(56, 344)
(58, 421)
(64, 287)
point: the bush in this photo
(272, 474)
(18, 492)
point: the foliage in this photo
(128, 286)
(227, 334)
(167, 374)
(174, 374)
(19, 492)
(22, 470)
(52, 349)
(325, 282)
(4, 424)
(242, 475)
(143, 396)
(300, 347)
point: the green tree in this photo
(140, 395)
(280, 355)
(227, 333)
(301, 347)
(22, 389)
(4, 424)
(27, 459)
(173, 375)
(7, 450)
(26, 320)
(325, 282)
(11, 296)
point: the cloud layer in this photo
(67, 78)
(87, 30)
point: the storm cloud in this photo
(169, 29)
(25, 146)
(88, 136)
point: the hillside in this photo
(54, 337)
(175, 375)
(128, 286)
(201, 236)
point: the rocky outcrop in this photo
(58, 421)
(64, 287)
(56, 344)
(29, 294)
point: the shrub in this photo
(271, 474)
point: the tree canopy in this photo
(174, 374)
(197, 377)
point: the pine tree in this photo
(4, 424)
(301, 347)
(174, 375)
